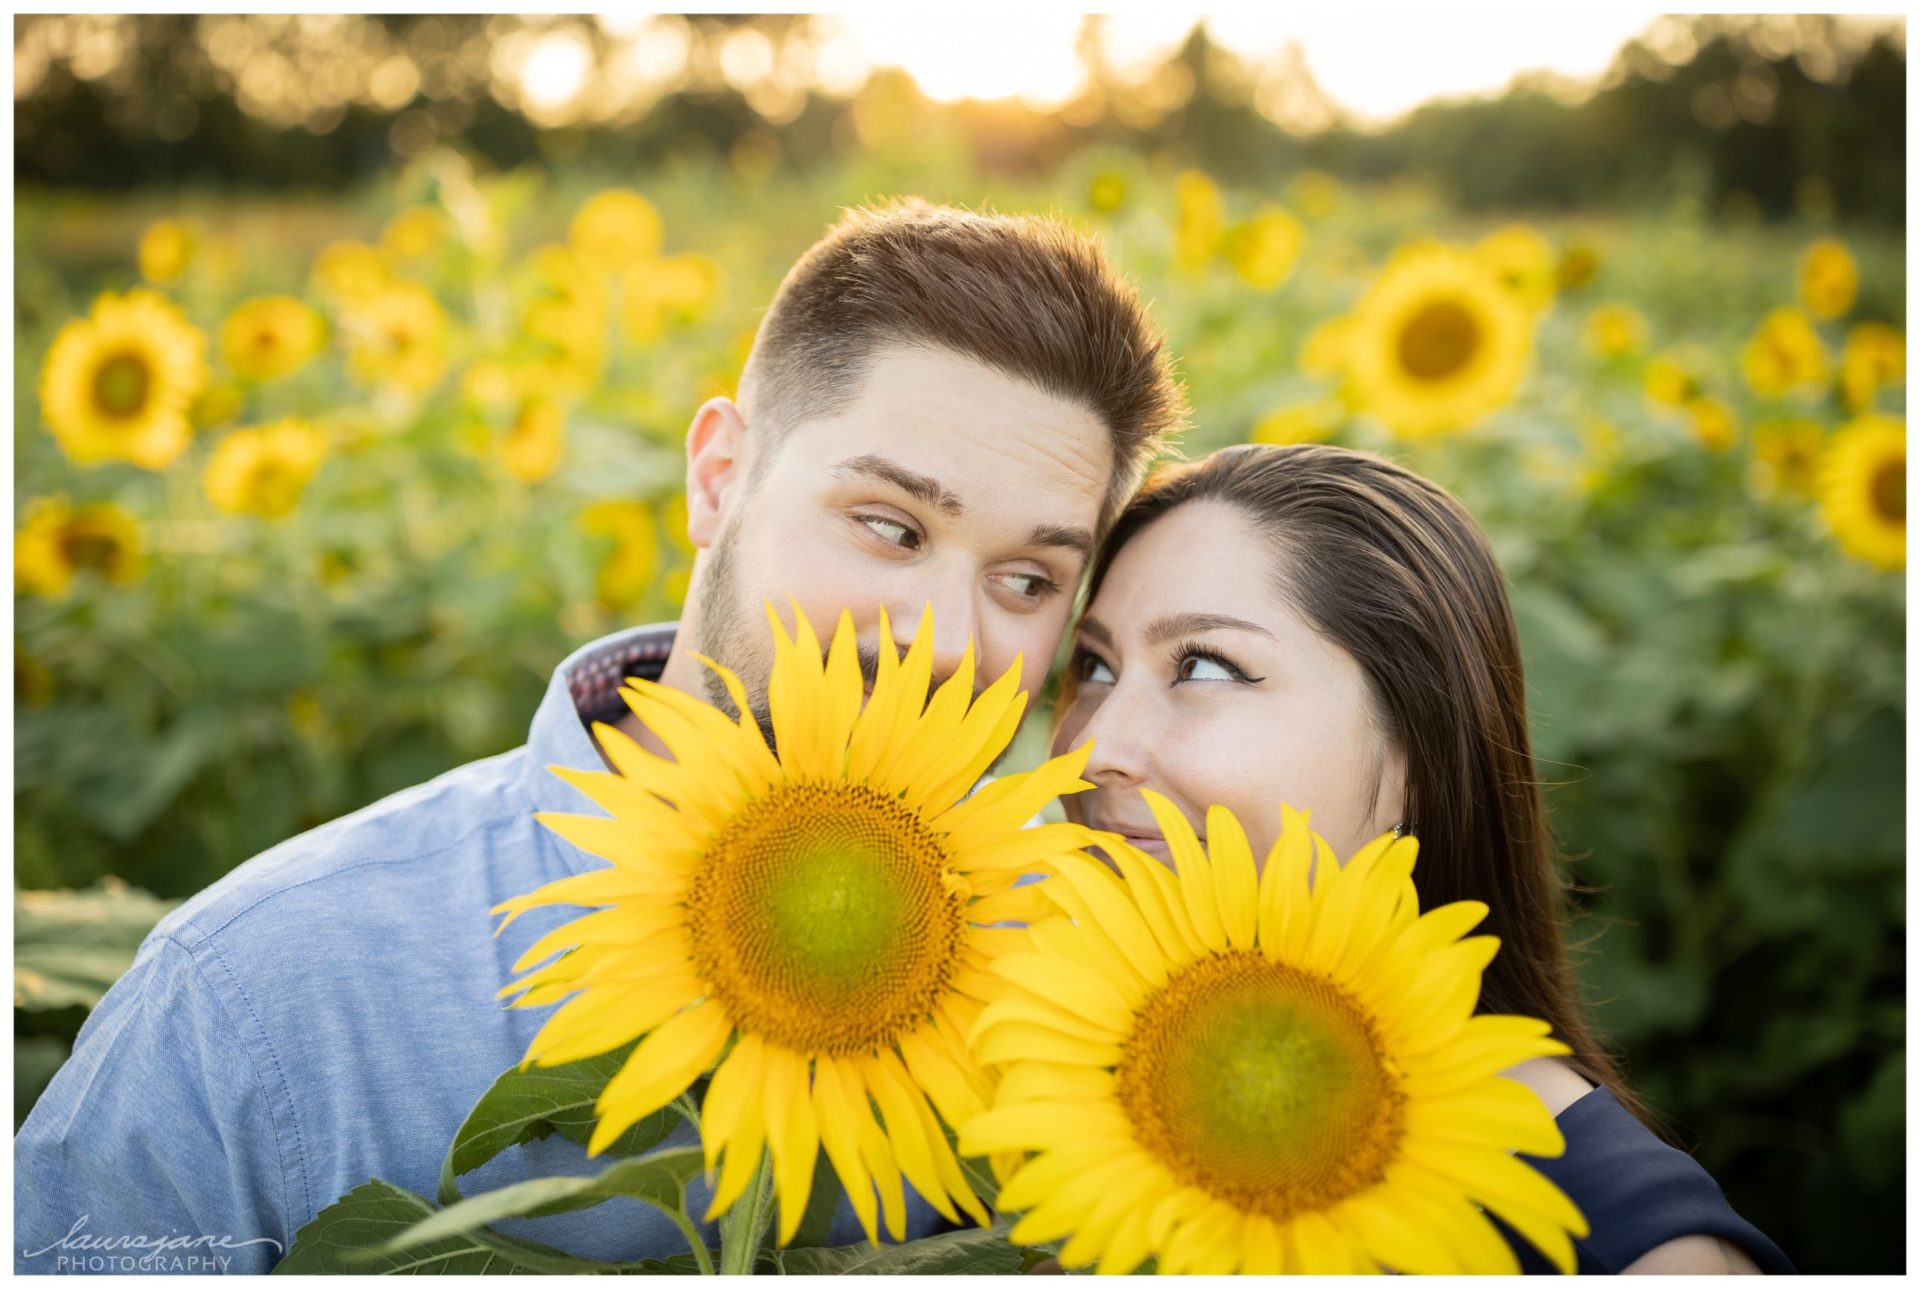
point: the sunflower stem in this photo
(695, 1240)
(744, 1224)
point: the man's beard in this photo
(728, 637)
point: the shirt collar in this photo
(586, 688)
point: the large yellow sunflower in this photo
(1437, 342)
(1863, 489)
(272, 335)
(804, 918)
(117, 384)
(262, 471)
(397, 337)
(58, 540)
(1522, 258)
(1784, 352)
(1263, 1071)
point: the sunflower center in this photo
(120, 385)
(88, 548)
(1889, 491)
(826, 918)
(1438, 340)
(1261, 1084)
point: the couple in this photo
(939, 408)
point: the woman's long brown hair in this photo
(1392, 569)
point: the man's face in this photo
(946, 483)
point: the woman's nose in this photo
(1122, 753)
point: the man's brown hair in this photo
(1024, 294)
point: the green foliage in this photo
(70, 946)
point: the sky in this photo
(1376, 67)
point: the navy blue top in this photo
(1637, 1193)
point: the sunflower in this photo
(1786, 456)
(414, 232)
(1108, 192)
(1273, 1071)
(1615, 331)
(1828, 279)
(349, 271)
(397, 337)
(674, 289)
(1863, 490)
(1875, 355)
(1523, 260)
(1324, 351)
(270, 336)
(1262, 250)
(615, 229)
(1577, 266)
(117, 384)
(804, 918)
(59, 540)
(1437, 342)
(166, 248)
(533, 444)
(1309, 422)
(1784, 353)
(262, 471)
(1673, 378)
(1198, 221)
(1712, 422)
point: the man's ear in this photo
(716, 468)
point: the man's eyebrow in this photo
(1174, 625)
(926, 490)
(1073, 539)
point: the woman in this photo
(1320, 626)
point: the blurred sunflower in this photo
(263, 470)
(397, 337)
(1577, 266)
(1828, 279)
(117, 384)
(1368, 1125)
(1712, 422)
(1863, 489)
(57, 541)
(657, 293)
(273, 335)
(1108, 191)
(1786, 456)
(166, 248)
(1310, 422)
(1437, 342)
(348, 271)
(1198, 221)
(414, 232)
(1522, 259)
(1615, 331)
(1324, 352)
(1316, 193)
(1784, 353)
(1262, 250)
(1875, 355)
(627, 572)
(811, 908)
(615, 229)
(1672, 378)
(533, 444)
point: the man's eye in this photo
(1030, 586)
(1089, 670)
(893, 531)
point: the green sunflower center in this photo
(1889, 490)
(1439, 339)
(120, 385)
(826, 918)
(1261, 1084)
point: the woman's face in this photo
(1197, 680)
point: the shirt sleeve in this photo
(154, 1149)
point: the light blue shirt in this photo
(325, 1014)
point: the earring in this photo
(1399, 831)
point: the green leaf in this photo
(659, 1179)
(161, 773)
(526, 1105)
(347, 1237)
(70, 946)
(35, 1061)
(975, 1252)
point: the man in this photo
(939, 408)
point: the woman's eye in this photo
(892, 531)
(1200, 667)
(1091, 671)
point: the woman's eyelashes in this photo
(1193, 662)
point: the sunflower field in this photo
(312, 494)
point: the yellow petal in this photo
(792, 1135)
(1235, 884)
(660, 1069)
(905, 1134)
(1068, 985)
(839, 1118)
(736, 1082)
(1191, 867)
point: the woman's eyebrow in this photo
(920, 487)
(1175, 625)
